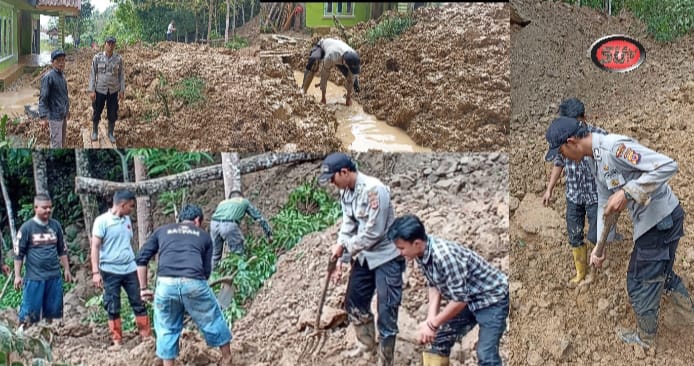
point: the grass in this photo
(389, 28)
(236, 43)
(191, 90)
(665, 19)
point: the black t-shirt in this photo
(184, 251)
(41, 244)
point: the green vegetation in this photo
(389, 28)
(34, 350)
(191, 90)
(666, 19)
(237, 43)
(308, 209)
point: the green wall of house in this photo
(315, 17)
(8, 15)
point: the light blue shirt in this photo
(116, 234)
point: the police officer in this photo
(377, 266)
(107, 86)
(333, 52)
(630, 175)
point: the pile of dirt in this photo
(447, 78)
(549, 61)
(459, 196)
(241, 111)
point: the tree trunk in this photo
(226, 30)
(243, 14)
(233, 24)
(90, 209)
(123, 165)
(144, 215)
(231, 173)
(252, 8)
(38, 158)
(197, 27)
(8, 207)
(209, 22)
(191, 177)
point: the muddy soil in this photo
(241, 110)
(550, 323)
(459, 196)
(445, 81)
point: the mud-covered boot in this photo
(366, 340)
(116, 334)
(95, 130)
(684, 306)
(386, 351)
(643, 335)
(143, 326)
(432, 359)
(111, 127)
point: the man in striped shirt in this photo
(477, 293)
(581, 194)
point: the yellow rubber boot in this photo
(581, 263)
(432, 359)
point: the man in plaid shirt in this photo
(581, 194)
(477, 293)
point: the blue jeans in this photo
(575, 222)
(492, 322)
(173, 296)
(386, 281)
(650, 269)
(41, 299)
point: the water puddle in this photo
(358, 130)
(12, 103)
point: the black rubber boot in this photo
(95, 130)
(111, 127)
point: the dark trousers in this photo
(112, 285)
(492, 322)
(316, 54)
(386, 281)
(650, 269)
(111, 101)
(576, 220)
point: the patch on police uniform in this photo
(373, 199)
(620, 150)
(632, 156)
(596, 154)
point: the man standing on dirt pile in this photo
(170, 31)
(333, 52)
(581, 193)
(225, 224)
(184, 266)
(113, 265)
(367, 214)
(54, 105)
(40, 240)
(477, 293)
(106, 86)
(630, 175)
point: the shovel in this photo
(226, 293)
(316, 340)
(608, 222)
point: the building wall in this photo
(315, 17)
(25, 32)
(9, 27)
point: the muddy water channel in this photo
(12, 102)
(358, 130)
